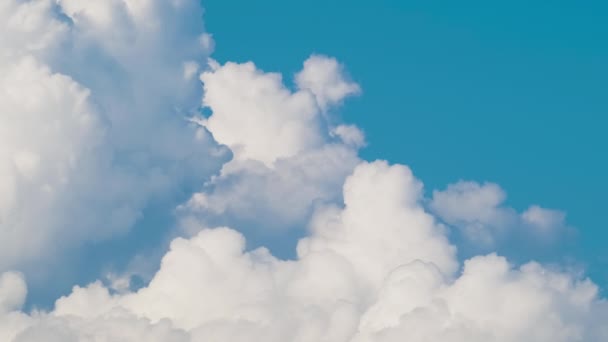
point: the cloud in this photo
(288, 156)
(12, 291)
(248, 104)
(481, 217)
(326, 79)
(379, 268)
(99, 122)
(91, 132)
(490, 301)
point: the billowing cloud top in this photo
(100, 120)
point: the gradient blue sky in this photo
(508, 92)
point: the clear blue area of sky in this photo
(514, 92)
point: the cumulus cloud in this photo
(12, 291)
(378, 268)
(97, 122)
(93, 100)
(325, 78)
(247, 104)
(288, 156)
(479, 213)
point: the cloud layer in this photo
(378, 268)
(100, 119)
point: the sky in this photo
(328, 171)
(512, 93)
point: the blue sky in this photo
(508, 92)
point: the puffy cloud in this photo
(276, 198)
(91, 132)
(288, 158)
(260, 119)
(478, 211)
(378, 269)
(382, 225)
(350, 135)
(257, 116)
(490, 301)
(64, 134)
(543, 219)
(12, 291)
(116, 327)
(325, 78)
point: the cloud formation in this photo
(91, 130)
(99, 104)
(379, 268)
(289, 154)
(484, 223)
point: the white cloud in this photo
(287, 156)
(470, 201)
(544, 219)
(382, 225)
(490, 301)
(257, 116)
(12, 291)
(325, 78)
(478, 210)
(91, 132)
(274, 198)
(28, 27)
(350, 135)
(378, 269)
